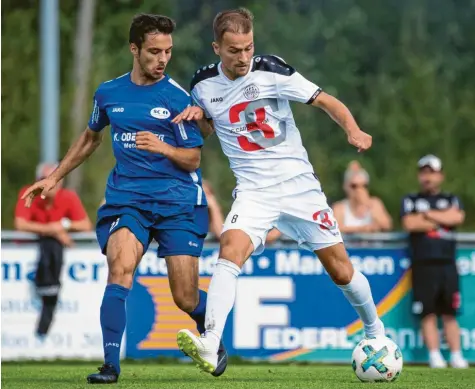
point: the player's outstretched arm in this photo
(188, 159)
(196, 113)
(76, 155)
(343, 117)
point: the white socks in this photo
(358, 293)
(221, 296)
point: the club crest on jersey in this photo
(251, 92)
(160, 113)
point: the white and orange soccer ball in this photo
(377, 359)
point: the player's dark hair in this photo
(237, 21)
(143, 24)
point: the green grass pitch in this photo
(149, 375)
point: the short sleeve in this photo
(99, 118)
(296, 88)
(196, 100)
(187, 133)
(407, 206)
(76, 211)
(21, 210)
(456, 203)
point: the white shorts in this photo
(297, 207)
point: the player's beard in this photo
(150, 74)
(241, 70)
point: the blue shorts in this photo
(179, 229)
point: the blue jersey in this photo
(139, 176)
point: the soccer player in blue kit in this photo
(153, 192)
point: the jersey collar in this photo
(161, 82)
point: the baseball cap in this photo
(430, 161)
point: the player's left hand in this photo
(360, 140)
(189, 113)
(148, 141)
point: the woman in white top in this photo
(360, 212)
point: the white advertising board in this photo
(75, 332)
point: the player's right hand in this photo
(43, 186)
(360, 140)
(189, 113)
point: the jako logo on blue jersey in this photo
(160, 113)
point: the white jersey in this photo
(253, 119)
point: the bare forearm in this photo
(216, 221)
(449, 217)
(384, 222)
(33, 227)
(417, 223)
(186, 159)
(80, 150)
(206, 127)
(81, 225)
(337, 111)
(216, 228)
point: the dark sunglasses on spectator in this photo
(356, 186)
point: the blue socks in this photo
(113, 320)
(199, 313)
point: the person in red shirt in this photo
(56, 215)
(52, 218)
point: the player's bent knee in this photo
(124, 252)
(186, 302)
(342, 275)
(121, 275)
(121, 271)
(235, 246)
(337, 264)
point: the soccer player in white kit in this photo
(245, 100)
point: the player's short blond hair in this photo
(237, 21)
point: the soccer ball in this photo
(377, 359)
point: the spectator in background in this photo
(52, 218)
(360, 212)
(431, 217)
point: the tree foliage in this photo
(404, 67)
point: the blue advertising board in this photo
(287, 308)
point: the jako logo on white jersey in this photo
(118, 109)
(160, 113)
(217, 99)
